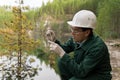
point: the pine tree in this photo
(15, 37)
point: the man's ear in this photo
(87, 32)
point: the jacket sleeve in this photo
(68, 46)
(91, 60)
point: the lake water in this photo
(46, 72)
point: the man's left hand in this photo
(56, 48)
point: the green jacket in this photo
(91, 61)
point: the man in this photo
(91, 59)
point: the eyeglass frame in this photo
(76, 31)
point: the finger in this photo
(51, 45)
(52, 49)
(50, 42)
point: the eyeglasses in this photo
(76, 31)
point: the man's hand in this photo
(56, 48)
(50, 35)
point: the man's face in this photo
(78, 34)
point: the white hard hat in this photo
(84, 19)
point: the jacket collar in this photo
(84, 45)
(79, 44)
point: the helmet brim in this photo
(72, 24)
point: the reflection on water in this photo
(44, 73)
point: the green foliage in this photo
(4, 16)
(60, 8)
(30, 15)
(108, 19)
